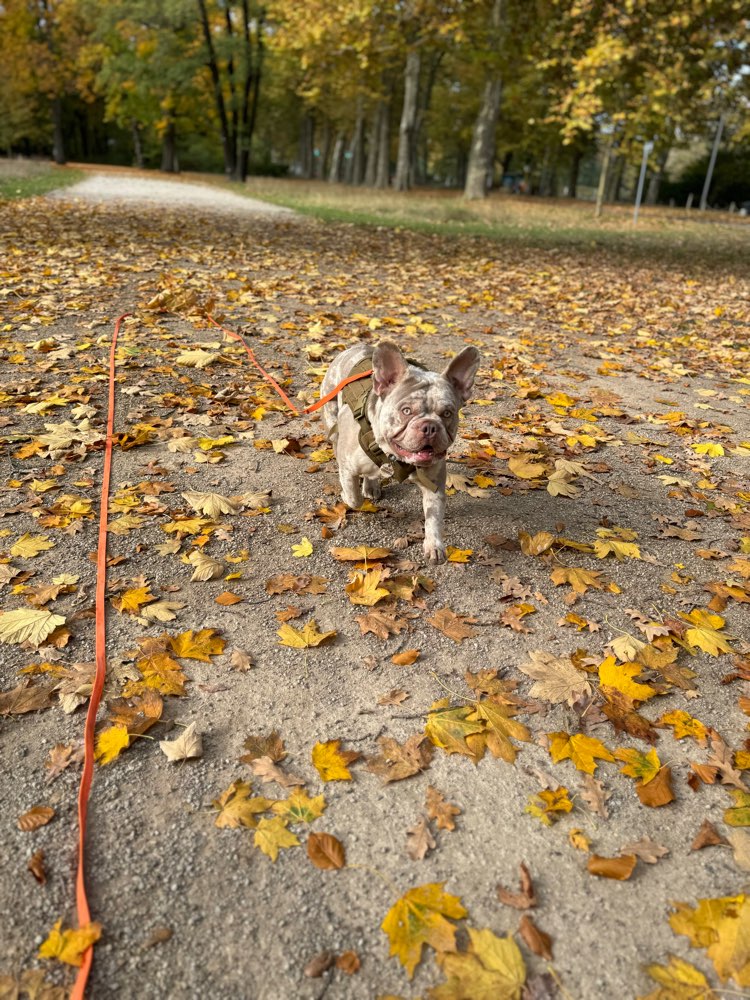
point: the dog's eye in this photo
(447, 414)
(406, 410)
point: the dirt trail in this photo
(621, 369)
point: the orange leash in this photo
(309, 409)
(84, 914)
(82, 903)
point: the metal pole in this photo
(712, 164)
(647, 147)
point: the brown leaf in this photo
(620, 712)
(646, 849)
(440, 810)
(26, 697)
(265, 769)
(419, 840)
(595, 795)
(305, 584)
(707, 836)
(326, 851)
(159, 935)
(227, 598)
(658, 791)
(319, 964)
(620, 868)
(348, 962)
(137, 714)
(61, 757)
(456, 627)
(264, 746)
(525, 898)
(394, 697)
(406, 658)
(240, 660)
(381, 623)
(289, 613)
(36, 867)
(536, 940)
(396, 761)
(36, 816)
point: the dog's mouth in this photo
(425, 456)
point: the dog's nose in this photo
(429, 428)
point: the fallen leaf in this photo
(69, 945)
(419, 840)
(418, 918)
(525, 898)
(440, 810)
(620, 868)
(491, 969)
(536, 940)
(646, 849)
(28, 625)
(581, 749)
(304, 638)
(326, 851)
(406, 658)
(396, 761)
(658, 792)
(272, 835)
(237, 807)
(331, 762)
(35, 817)
(456, 627)
(36, 866)
(188, 744)
(557, 679)
(707, 836)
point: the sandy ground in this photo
(240, 925)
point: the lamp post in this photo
(647, 148)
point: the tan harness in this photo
(356, 395)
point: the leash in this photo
(83, 911)
(82, 903)
(309, 409)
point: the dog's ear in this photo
(462, 371)
(388, 367)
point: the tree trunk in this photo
(373, 135)
(482, 152)
(135, 131)
(404, 178)
(322, 153)
(334, 171)
(58, 138)
(250, 92)
(654, 181)
(383, 166)
(575, 166)
(615, 179)
(421, 150)
(603, 179)
(306, 146)
(355, 163)
(213, 65)
(169, 149)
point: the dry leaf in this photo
(620, 868)
(525, 898)
(419, 840)
(440, 810)
(535, 939)
(406, 658)
(707, 836)
(396, 761)
(188, 744)
(456, 627)
(326, 851)
(36, 816)
(646, 849)
(36, 866)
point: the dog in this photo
(401, 416)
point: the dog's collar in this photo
(357, 395)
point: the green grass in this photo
(25, 179)
(669, 236)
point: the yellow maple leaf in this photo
(331, 762)
(641, 765)
(579, 748)
(29, 546)
(500, 728)
(458, 555)
(131, 601)
(237, 807)
(161, 673)
(683, 724)
(708, 448)
(69, 945)
(419, 918)
(206, 444)
(679, 980)
(705, 632)
(299, 807)
(620, 676)
(604, 547)
(197, 645)
(523, 467)
(361, 553)
(364, 588)
(449, 728)
(110, 743)
(303, 550)
(722, 927)
(580, 579)
(492, 967)
(303, 638)
(271, 835)
(549, 804)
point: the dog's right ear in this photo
(388, 367)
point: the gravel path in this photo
(120, 188)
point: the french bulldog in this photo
(413, 414)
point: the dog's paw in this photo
(371, 487)
(434, 551)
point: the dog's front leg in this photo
(351, 486)
(433, 504)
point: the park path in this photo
(630, 374)
(126, 189)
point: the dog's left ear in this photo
(388, 366)
(462, 371)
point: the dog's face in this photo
(415, 413)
